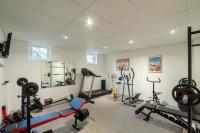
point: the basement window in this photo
(91, 58)
(39, 53)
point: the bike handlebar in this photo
(155, 81)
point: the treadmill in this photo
(91, 94)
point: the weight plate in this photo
(187, 95)
(30, 89)
(185, 81)
(22, 81)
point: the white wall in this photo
(2, 88)
(174, 68)
(174, 64)
(18, 65)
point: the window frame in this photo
(95, 57)
(30, 51)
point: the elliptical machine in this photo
(155, 98)
(128, 81)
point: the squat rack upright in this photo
(190, 45)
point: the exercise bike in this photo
(155, 98)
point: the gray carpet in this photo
(107, 116)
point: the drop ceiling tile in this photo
(63, 9)
(70, 42)
(43, 21)
(193, 3)
(42, 34)
(111, 9)
(84, 3)
(139, 39)
(46, 26)
(18, 13)
(162, 8)
(142, 38)
(74, 29)
(121, 37)
(178, 37)
(173, 22)
(16, 23)
(131, 20)
(77, 31)
(128, 22)
(98, 21)
(19, 6)
(144, 31)
(142, 3)
(107, 30)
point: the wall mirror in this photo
(58, 73)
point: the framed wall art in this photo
(122, 63)
(155, 64)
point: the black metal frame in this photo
(177, 118)
(190, 45)
(173, 117)
(155, 96)
(28, 115)
(131, 99)
(76, 122)
(85, 75)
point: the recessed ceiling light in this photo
(131, 42)
(89, 22)
(172, 31)
(105, 47)
(65, 37)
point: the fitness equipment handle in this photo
(123, 75)
(122, 72)
(155, 81)
(133, 72)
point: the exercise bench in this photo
(75, 107)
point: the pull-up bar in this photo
(195, 32)
(190, 45)
(194, 45)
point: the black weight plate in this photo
(22, 81)
(30, 89)
(185, 81)
(191, 91)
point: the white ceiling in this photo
(147, 22)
